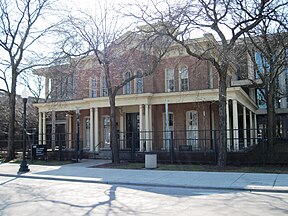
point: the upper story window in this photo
(183, 79)
(139, 83)
(62, 87)
(93, 87)
(262, 64)
(169, 80)
(104, 89)
(127, 87)
(261, 100)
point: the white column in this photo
(228, 126)
(69, 131)
(150, 127)
(251, 127)
(96, 129)
(244, 127)
(91, 130)
(235, 126)
(141, 127)
(147, 126)
(44, 128)
(255, 127)
(40, 128)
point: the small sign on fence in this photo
(39, 151)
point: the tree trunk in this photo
(271, 116)
(11, 129)
(113, 135)
(222, 146)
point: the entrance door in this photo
(132, 130)
(192, 128)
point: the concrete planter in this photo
(150, 161)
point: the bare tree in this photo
(227, 19)
(267, 47)
(115, 50)
(19, 33)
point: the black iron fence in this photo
(249, 146)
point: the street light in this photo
(23, 165)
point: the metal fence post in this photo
(132, 147)
(171, 147)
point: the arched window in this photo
(127, 87)
(183, 79)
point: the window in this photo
(169, 80)
(104, 89)
(183, 79)
(192, 129)
(262, 64)
(139, 83)
(167, 134)
(261, 100)
(127, 87)
(87, 133)
(106, 131)
(93, 88)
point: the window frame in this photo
(181, 79)
(136, 86)
(93, 87)
(167, 80)
(127, 88)
(103, 87)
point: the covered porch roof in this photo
(234, 93)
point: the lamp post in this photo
(23, 165)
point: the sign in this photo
(39, 151)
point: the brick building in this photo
(187, 85)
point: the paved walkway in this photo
(83, 172)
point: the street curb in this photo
(143, 184)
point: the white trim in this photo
(85, 138)
(166, 80)
(171, 128)
(194, 132)
(180, 78)
(129, 83)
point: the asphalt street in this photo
(21, 196)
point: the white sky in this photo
(72, 5)
(92, 6)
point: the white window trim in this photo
(101, 86)
(85, 139)
(166, 79)
(187, 120)
(102, 126)
(180, 79)
(164, 127)
(129, 83)
(136, 83)
(91, 87)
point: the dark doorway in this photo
(132, 131)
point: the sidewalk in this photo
(185, 179)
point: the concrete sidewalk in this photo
(82, 172)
